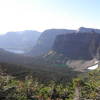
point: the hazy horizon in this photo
(19, 15)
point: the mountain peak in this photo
(88, 30)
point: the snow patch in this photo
(93, 67)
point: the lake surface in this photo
(15, 51)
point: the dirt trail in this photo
(77, 94)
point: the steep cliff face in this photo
(80, 45)
(46, 41)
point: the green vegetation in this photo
(88, 85)
(43, 73)
(30, 89)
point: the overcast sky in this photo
(17, 15)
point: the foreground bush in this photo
(31, 89)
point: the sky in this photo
(19, 15)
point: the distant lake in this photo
(15, 51)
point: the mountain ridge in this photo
(21, 40)
(48, 37)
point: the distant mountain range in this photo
(72, 41)
(20, 40)
(60, 47)
(46, 41)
